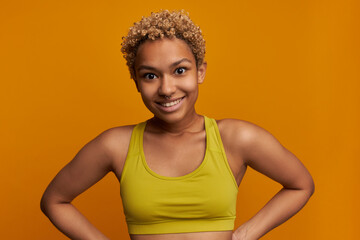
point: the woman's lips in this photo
(170, 106)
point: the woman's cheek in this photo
(190, 86)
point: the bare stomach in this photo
(223, 235)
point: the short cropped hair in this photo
(162, 24)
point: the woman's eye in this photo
(180, 70)
(150, 76)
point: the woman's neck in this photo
(192, 123)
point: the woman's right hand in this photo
(89, 165)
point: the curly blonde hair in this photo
(159, 25)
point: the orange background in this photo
(292, 67)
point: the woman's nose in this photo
(167, 86)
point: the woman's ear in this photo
(133, 76)
(136, 84)
(201, 72)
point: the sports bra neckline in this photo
(204, 160)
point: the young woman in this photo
(179, 171)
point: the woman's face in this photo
(167, 78)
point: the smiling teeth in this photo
(171, 103)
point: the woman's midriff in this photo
(222, 235)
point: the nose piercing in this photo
(167, 97)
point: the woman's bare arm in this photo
(262, 152)
(89, 165)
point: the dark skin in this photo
(167, 78)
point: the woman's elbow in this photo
(309, 187)
(312, 187)
(47, 202)
(306, 185)
(44, 204)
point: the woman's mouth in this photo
(170, 106)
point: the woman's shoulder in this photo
(116, 142)
(116, 138)
(237, 127)
(240, 132)
(118, 131)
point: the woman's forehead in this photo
(163, 50)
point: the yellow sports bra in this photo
(203, 200)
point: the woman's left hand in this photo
(234, 237)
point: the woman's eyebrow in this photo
(180, 61)
(145, 67)
(141, 67)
